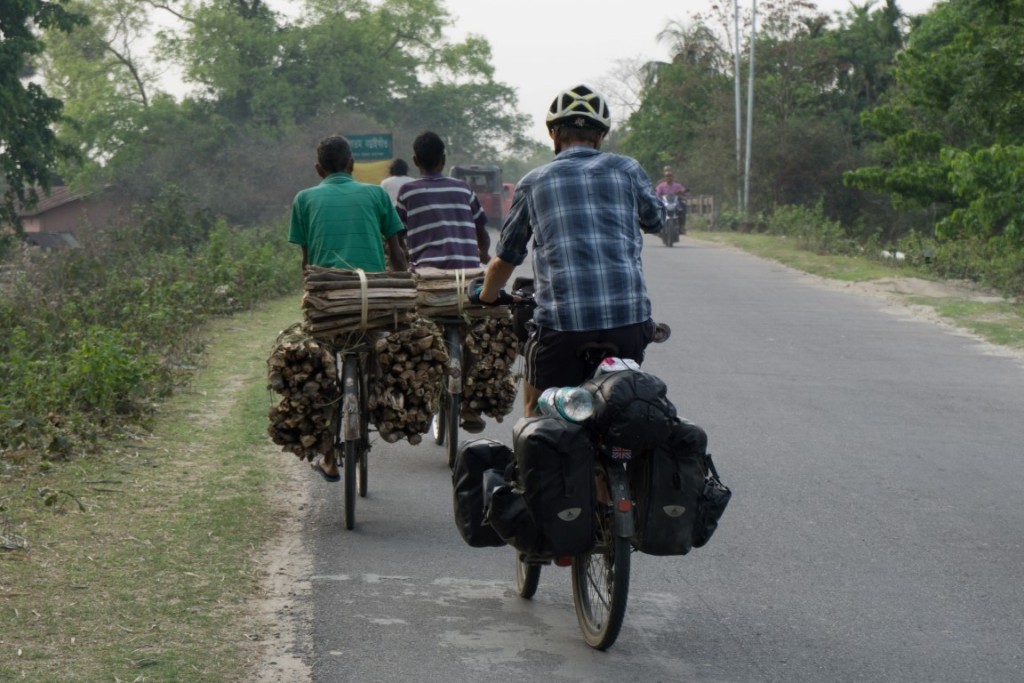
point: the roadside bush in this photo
(728, 220)
(95, 334)
(995, 263)
(811, 229)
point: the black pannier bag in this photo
(555, 471)
(472, 460)
(714, 497)
(667, 482)
(631, 409)
(508, 515)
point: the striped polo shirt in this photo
(441, 216)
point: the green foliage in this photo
(812, 78)
(994, 263)
(27, 114)
(811, 230)
(958, 89)
(96, 335)
(106, 369)
(990, 186)
(265, 89)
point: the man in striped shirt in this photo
(445, 224)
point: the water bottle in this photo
(569, 403)
(546, 402)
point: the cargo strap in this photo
(365, 300)
(460, 287)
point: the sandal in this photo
(320, 470)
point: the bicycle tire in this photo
(600, 586)
(454, 402)
(527, 577)
(439, 422)
(364, 433)
(350, 397)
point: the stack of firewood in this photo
(404, 395)
(302, 371)
(338, 302)
(442, 294)
(490, 384)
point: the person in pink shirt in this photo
(668, 187)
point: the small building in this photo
(58, 219)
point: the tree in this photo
(101, 74)
(265, 89)
(29, 146)
(958, 89)
(681, 100)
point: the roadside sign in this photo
(376, 147)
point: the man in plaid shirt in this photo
(582, 214)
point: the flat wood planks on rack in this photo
(338, 302)
(442, 294)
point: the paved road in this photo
(876, 532)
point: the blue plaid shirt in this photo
(584, 212)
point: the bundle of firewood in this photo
(404, 395)
(337, 302)
(302, 371)
(490, 385)
(442, 294)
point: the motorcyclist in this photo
(669, 189)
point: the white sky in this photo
(541, 47)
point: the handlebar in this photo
(519, 298)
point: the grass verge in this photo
(996, 320)
(137, 564)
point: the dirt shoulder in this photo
(284, 603)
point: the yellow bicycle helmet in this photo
(580, 107)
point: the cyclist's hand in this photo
(473, 294)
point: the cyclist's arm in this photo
(650, 208)
(497, 274)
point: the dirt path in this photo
(287, 566)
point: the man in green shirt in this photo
(341, 223)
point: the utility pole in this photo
(739, 114)
(750, 110)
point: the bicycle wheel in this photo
(453, 406)
(349, 404)
(364, 433)
(600, 585)
(527, 576)
(440, 420)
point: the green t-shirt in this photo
(341, 223)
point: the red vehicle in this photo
(485, 180)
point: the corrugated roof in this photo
(59, 196)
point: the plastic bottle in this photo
(546, 402)
(569, 403)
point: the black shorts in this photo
(551, 360)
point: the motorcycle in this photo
(675, 219)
